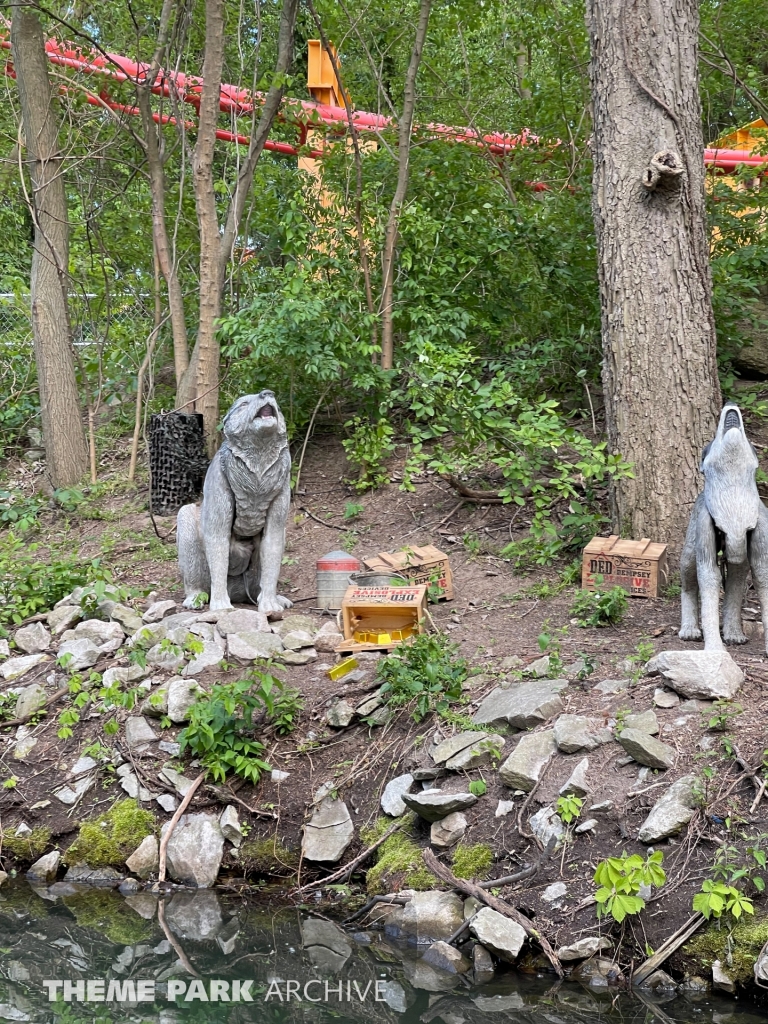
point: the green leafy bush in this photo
(367, 448)
(569, 808)
(620, 878)
(424, 674)
(596, 608)
(717, 898)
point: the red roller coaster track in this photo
(303, 113)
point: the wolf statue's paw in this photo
(735, 637)
(273, 605)
(223, 605)
(690, 633)
(196, 600)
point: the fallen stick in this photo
(390, 901)
(172, 825)
(349, 868)
(667, 948)
(464, 926)
(527, 871)
(470, 889)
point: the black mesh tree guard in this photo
(177, 460)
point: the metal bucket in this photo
(332, 575)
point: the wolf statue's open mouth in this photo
(266, 412)
(731, 420)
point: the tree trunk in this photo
(405, 127)
(659, 350)
(63, 436)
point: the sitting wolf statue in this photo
(231, 547)
(728, 517)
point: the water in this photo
(204, 944)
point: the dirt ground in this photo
(494, 616)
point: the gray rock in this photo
(227, 937)
(46, 868)
(15, 668)
(482, 964)
(497, 933)
(5, 650)
(392, 797)
(523, 706)
(646, 721)
(659, 982)
(586, 826)
(169, 747)
(426, 978)
(229, 823)
(168, 802)
(339, 714)
(126, 616)
(179, 782)
(150, 634)
(298, 657)
(447, 749)
(32, 639)
(329, 832)
(671, 812)
(448, 831)
(598, 973)
(665, 698)
(369, 705)
(504, 807)
(3, 877)
(130, 783)
(83, 765)
(555, 892)
(194, 915)
(155, 704)
(278, 776)
(63, 617)
(577, 732)
(485, 748)
(124, 674)
(611, 686)
(327, 638)
(577, 784)
(431, 916)
(539, 668)
(296, 639)
(646, 749)
(708, 675)
(326, 945)
(158, 610)
(138, 732)
(211, 655)
(182, 694)
(250, 645)
(243, 620)
(721, 979)
(434, 804)
(290, 623)
(69, 795)
(582, 949)
(523, 767)
(195, 850)
(29, 700)
(99, 878)
(25, 743)
(604, 805)
(393, 994)
(546, 825)
(106, 635)
(446, 958)
(85, 654)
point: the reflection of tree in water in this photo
(100, 934)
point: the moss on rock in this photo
(472, 861)
(268, 856)
(737, 947)
(109, 915)
(399, 863)
(29, 847)
(107, 840)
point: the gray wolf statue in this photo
(730, 518)
(231, 547)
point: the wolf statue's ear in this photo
(704, 451)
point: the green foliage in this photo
(472, 861)
(739, 945)
(268, 856)
(367, 449)
(619, 880)
(108, 915)
(222, 723)
(569, 808)
(478, 787)
(717, 898)
(26, 848)
(399, 863)
(723, 715)
(423, 674)
(107, 840)
(598, 607)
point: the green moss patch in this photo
(108, 914)
(399, 862)
(29, 847)
(737, 948)
(109, 839)
(268, 856)
(472, 861)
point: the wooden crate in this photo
(382, 610)
(639, 566)
(418, 565)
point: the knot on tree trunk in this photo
(665, 167)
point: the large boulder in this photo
(523, 706)
(523, 767)
(497, 933)
(706, 675)
(431, 916)
(434, 804)
(195, 850)
(329, 832)
(672, 811)
(646, 749)
(577, 732)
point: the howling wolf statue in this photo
(727, 518)
(231, 547)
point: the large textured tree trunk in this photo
(659, 359)
(63, 436)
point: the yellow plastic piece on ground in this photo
(345, 666)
